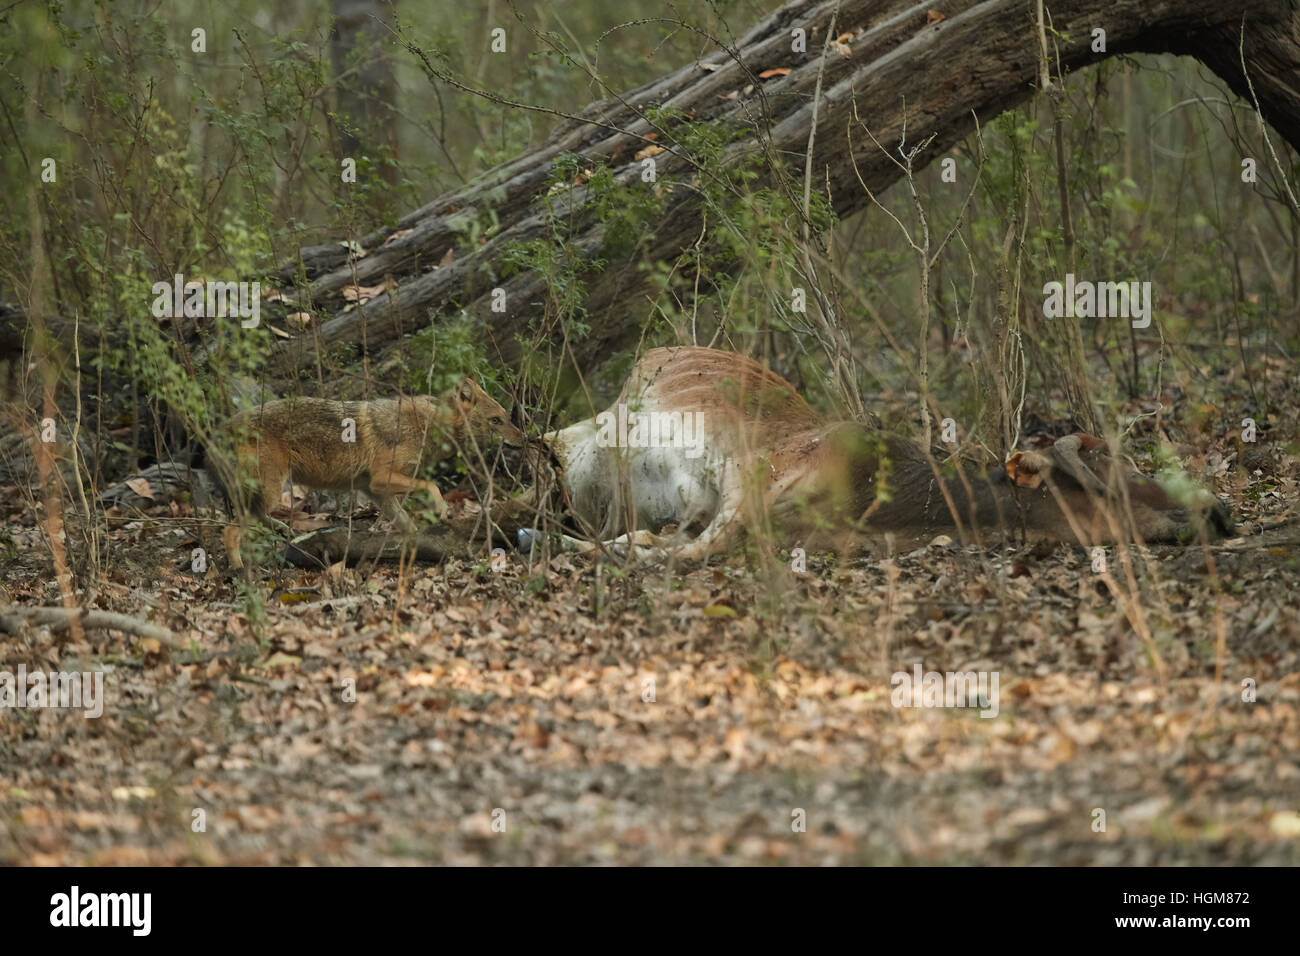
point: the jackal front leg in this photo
(393, 482)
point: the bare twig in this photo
(13, 619)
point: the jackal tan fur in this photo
(377, 446)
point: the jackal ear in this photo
(466, 391)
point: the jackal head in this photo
(480, 415)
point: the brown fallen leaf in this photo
(35, 817)
(934, 16)
(364, 293)
(302, 522)
(281, 659)
(649, 151)
(141, 487)
(734, 743)
(126, 794)
(775, 71)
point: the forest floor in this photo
(576, 712)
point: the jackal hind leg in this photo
(257, 505)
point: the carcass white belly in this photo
(613, 489)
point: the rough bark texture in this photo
(354, 547)
(366, 86)
(981, 59)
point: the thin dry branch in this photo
(13, 619)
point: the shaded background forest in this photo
(225, 164)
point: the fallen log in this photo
(323, 548)
(900, 65)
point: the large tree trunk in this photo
(907, 68)
(366, 87)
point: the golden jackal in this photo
(376, 445)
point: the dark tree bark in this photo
(332, 545)
(934, 77)
(366, 87)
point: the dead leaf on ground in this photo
(141, 487)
